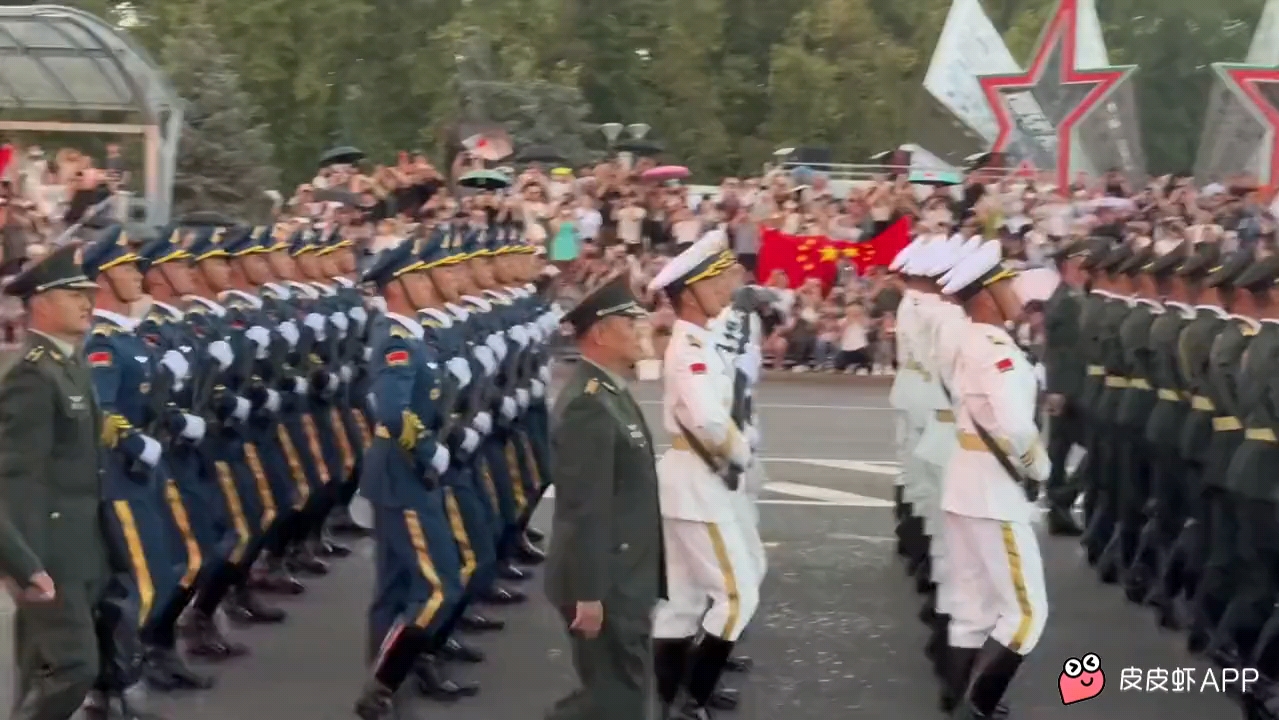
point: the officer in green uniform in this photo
(1162, 548)
(606, 569)
(1097, 523)
(51, 539)
(1064, 370)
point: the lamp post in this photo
(613, 130)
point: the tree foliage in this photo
(722, 82)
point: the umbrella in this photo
(484, 180)
(539, 153)
(662, 173)
(639, 147)
(1036, 285)
(341, 155)
(939, 178)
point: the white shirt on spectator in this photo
(630, 224)
(853, 336)
(588, 223)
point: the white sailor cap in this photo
(903, 256)
(979, 269)
(706, 258)
(948, 252)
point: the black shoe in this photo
(957, 668)
(993, 672)
(670, 665)
(340, 523)
(302, 560)
(502, 596)
(507, 571)
(691, 711)
(276, 579)
(432, 683)
(478, 623)
(453, 649)
(1109, 561)
(936, 647)
(205, 640)
(326, 547)
(1062, 524)
(375, 702)
(164, 670)
(725, 699)
(529, 554)
(739, 664)
(242, 606)
(534, 535)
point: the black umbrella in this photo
(341, 155)
(539, 153)
(484, 180)
(639, 147)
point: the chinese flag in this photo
(818, 257)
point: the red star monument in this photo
(1038, 110)
(1257, 86)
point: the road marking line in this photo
(789, 406)
(835, 497)
(874, 467)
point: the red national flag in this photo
(818, 257)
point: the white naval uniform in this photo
(996, 572)
(707, 555)
(726, 328)
(905, 396)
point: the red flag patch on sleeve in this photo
(697, 368)
(100, 359)
(397, 357)
(1004, 365)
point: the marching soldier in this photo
(605, 572)
(999, 601)
(707, 555)
(416, 589)
(51, 536)
(1097, 511)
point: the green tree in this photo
(224, 156)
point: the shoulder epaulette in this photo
(694, 342)
(157, 317)
(198, 309)
(592, 386)
(431, 323)
(104, 329)
(609, 387)
(34, 354)
(400, 332)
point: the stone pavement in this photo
(836, 635)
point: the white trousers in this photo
(706, 563)
(994, 583)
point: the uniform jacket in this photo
(49, 476)
(1064, 364)
(606, 541)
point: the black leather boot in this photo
(739, 664)
(454, 649)
(725, 699)
(242, 606)
(205, 639)
(507, 571)
(302, 560)
(928, 612)
(993, 672)
(164, 670)
(274, 577)
(706, 665)
(433, 684)
(376, 702)
(526, 553)
(534, 535)
(475, 622)
(670, 660)
(502, 596)
(1061, 523)
(924, 575)
(326, 546)
(938, 642)
(957, 667)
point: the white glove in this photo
(261, 337)
(508, 408)
(300, 386)
(346, 373)
(441, 459)
(750, 363)
(359, 316)
(544, 374)
(316, 322)
(340, 322)
(521, 398)
(752, 437)
(150, 450)
(368, 353)
(194, 427)
(537, 388)
(470, 440)
(486, 358)
(178, 365)
(494, 342)
(272, 401)
(519, 335)
(1041, 375)
(289, 331)
(460, 369)
(483, 423)
(220, 350)
(242, 408)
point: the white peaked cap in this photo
(703, 257)
(966, 248)
(903, 256)
(974, 267)
(949, 252)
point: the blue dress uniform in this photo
(416, 588)
(124, 371)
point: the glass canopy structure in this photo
(61, 62)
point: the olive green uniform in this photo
(1118, 541)
(1064, 375)
(1089, 388)
(606, 544)
(1136, 400)
(49, 429)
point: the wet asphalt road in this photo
(836, 634)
